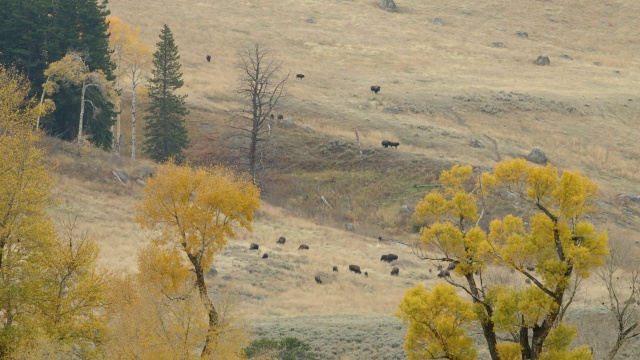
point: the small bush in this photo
(289, 348)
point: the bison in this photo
(366, 274)
(303, 247)
(280, 117)
(282, 240)
(208, 58)
(375, 89)
(387, 143)
(389, 257)
(355, 269)
(318, 280)
(265, 256)
(300, 76)
(395, 271)
(451, 266)
(254, 246)
(335, 269)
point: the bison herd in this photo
(353, 268)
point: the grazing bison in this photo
(282, 240)
(444, 274)
(375, 89)
(395, 271)
(280, 117)
(208, 58)
(389, 257)
(355, 269)
(387, 143)
(303, 247)
(380, 238)
(451, 266)
(265, 255)
(300, 76)
(254, 247)
(335, 269)
(318, 280)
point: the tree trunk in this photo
(119, 107)
(214, 319)
(134, 102)
(84, 89)
(488, 328)
(252, 153)
(524, 342)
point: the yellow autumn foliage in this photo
(555, 243)
(438, 324)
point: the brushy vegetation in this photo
(289, 348)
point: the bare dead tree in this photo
(620, 275)
(262, 86)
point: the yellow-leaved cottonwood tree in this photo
(555, 245)
(195, 211)
(50, 288)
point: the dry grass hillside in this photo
(450, 86)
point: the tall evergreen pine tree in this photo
(165, 133)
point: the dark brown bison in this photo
(208, 58)
(395, 271)
(318, 280)
(389, 257)
(282, 240)
(265, 255)
(366, 274)
(387, 143)
(451, 266)
(303, 247)
(300, 76)
(280, 117)
(444, 274)
(355, 269)
(335, 269)
(254, 247)
(375, 89)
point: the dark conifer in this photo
(165, 132)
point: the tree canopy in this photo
(50, 287)
(36, 33)
(195, 211)
(550, 248)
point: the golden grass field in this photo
(455, 87)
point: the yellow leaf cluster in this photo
(438, 322)
(557, 345)
(197, 209)
(509, 351)
(164, 267)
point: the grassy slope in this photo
(456, 88)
